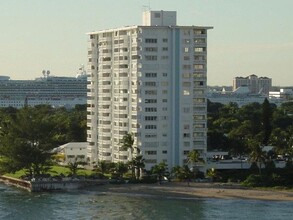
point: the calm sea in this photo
(88, 204)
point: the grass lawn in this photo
(56, 170)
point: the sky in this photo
(249, 36)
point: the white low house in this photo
(73, 151)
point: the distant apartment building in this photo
(149, 80)
(255, 84)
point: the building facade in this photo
(255, 84)
(151, 81)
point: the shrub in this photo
(253, 181)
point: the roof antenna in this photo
(147, 7)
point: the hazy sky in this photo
(249, 36)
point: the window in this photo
(149, 57)
(199, 32)
(150, 92)
(198, 66)
(186, 49)
(165, 40)
(201, 58)
(164, 152)
(198, 75)
(151, 152)
(198, 134)
(150, 135)
(165, 49)
(150, 118)
(199, 49)
(151, 109)
(150, 101)
(164, 100)
(164, 57)
(150, 40)
(150, 127)
(199, 40)
(198, 83)
(199, 117)
(198, 92)
(186, 67)
(164, 118)
(149, 75)
(199, 100)
(165, 74)
(151, 49)
(186, 92)
(186, 135)
(186, 152)
(151, 144)
(186, 75)
(186, 84)
(186, 127)
(157, 15)
(164, 83)
(150, 84)
(135, 57)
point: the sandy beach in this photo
(197, 190)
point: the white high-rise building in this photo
(151, 81)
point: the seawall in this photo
(51, 185)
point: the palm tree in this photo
(257, 155)
(139, 165)
(193, 157)
(102, 167)
(177, 172)
(187, 174)
(119, 169)
(127, 143)
(159, 170)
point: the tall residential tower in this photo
(150, 81)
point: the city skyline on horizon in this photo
(258, 40)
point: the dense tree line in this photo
(28, 135)
(240, 130)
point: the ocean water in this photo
(89, 204)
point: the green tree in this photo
(266, 121)
(193, 158)
(136, 165)
(119, 170)
(127, 143)
(257, 154)
(103, 167)
(26, 140)
(159, 169)
(74, 164)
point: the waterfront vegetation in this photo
(28, 135)
(55, 170)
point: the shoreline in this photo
(177, 190)
(196, 191)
